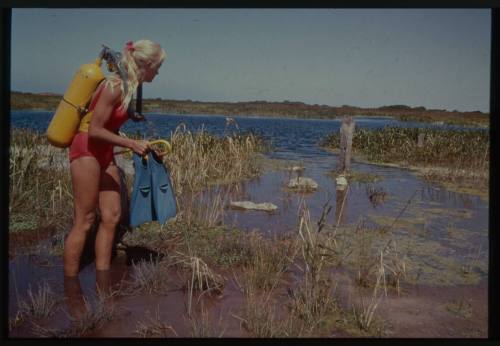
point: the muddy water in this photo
(438, 304)
(211, 316)
(450, 226)
(443, 234)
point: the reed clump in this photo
(201, 325)
(40, 184)
(449, 148)
(38, 304)
(461, 156)
(314, 298)
(153, 326)
(363, 312)
(201, 159)
(148, 277)
(269, 260)
(265, 318)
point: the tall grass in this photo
(202, 327)
(314, 298)
(40, 191)
(268, 262)
(39, 304)
(148, 277)
(199, 159)
(364, 312)
(454, 148)
(40, 188)
(447, 156)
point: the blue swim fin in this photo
(141, 209)
(163, 194)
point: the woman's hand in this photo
(140, 147)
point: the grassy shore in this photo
(458, 159)
(40, 179)
(285, 109)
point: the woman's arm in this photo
(102, 113)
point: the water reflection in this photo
(340, 206)
(75, 300)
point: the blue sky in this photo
(436, 58)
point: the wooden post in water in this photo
(346, 134)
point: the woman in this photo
(94, 174)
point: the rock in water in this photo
(247, 205)
(301, 183)
(341, 182)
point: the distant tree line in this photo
(45, 101)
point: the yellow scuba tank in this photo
(66, 119)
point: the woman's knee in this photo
(84, 221)
(111, 216)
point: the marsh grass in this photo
(364, 257)
(147, 276)
(201, 326)
(262, 319)
(442, 147)
(93, 317)
(473, 260)
(460, 307)
(39, 304)
(40, 186)
(376, 249)
(40, 190)
(200, 159)
(262, 275)
(217, 246)
(269, 260)
(267, 315)
(201, 278)
(364, 313)
(459, 156)
(153, 326)
(372, 248)
(376, 195)
(313, 300)
(202, 209)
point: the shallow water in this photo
(443, 230)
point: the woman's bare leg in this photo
(85, 175)
(110, 210)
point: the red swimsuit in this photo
(82, 145)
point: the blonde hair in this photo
(136, 54)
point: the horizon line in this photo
(284, 101)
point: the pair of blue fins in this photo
(152, 195)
